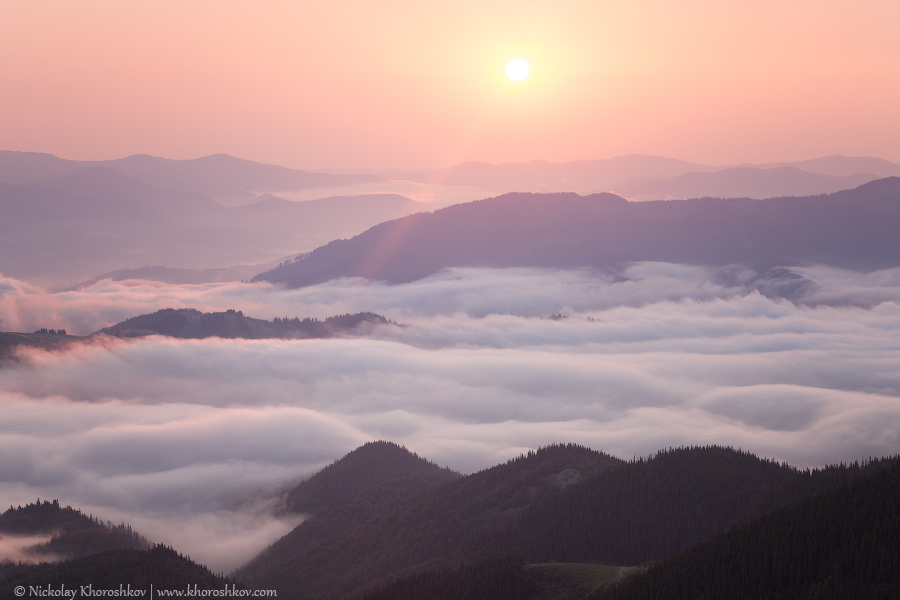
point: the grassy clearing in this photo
(572, 581)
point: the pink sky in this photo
(420, 84)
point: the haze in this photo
(679, 229)
(402, 84)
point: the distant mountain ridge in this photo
(218, 175)
(739, 182)
(644, 177)
(855, 229)
(99, 220)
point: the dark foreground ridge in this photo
(160, 566)
(854, 229)
(560, 504)
(73, 533)
(841, 545)
(191, 323)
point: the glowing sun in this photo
(517, 69)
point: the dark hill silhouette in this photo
(159, 566)
(191, 323)
(561, 503)
(74, 534)
(627, 515)
(840, 545)
(374, 535)
(370, 465)
(654, 508)
(853, 229)
(9, 341)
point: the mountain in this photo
(853, 229)
(654, 508)
(740, 182)
(840, 165)
(372, 464)
(100, 220)
(833, 546)
(74, 534)
(116, 573)
(335, 214)
(224, 177)
(176, 275)
(583, 175)
(373, 534)
(638, 176)
(191, 323)
(646, 510)
(219, 176)
(108, 184)
(9, 341)
(563, 504)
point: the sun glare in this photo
(517, 69)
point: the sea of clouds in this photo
(194, 441)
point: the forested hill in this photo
(368, 537)
(654, 508)
(191, 323)
(42, 339)
(372, 464)
(105, 572)
(854, 229)
(559, 504)
(74, 534)
(841, 545)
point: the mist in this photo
(194, 441)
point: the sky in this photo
(192, 441)
(412, 84)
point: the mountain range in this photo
(562, 503)
(65, 222)
(227, 179)
(563, 522)
(641, 177)
(855, 229)
(100, 219)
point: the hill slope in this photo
(366, 539)
(654, 508)
(834, 546)
(74, 533)
(852, 229)
(191, 323)
(159, 566)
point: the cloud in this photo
(193, 441)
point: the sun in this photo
(517, 69)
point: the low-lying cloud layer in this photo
(191, 440)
